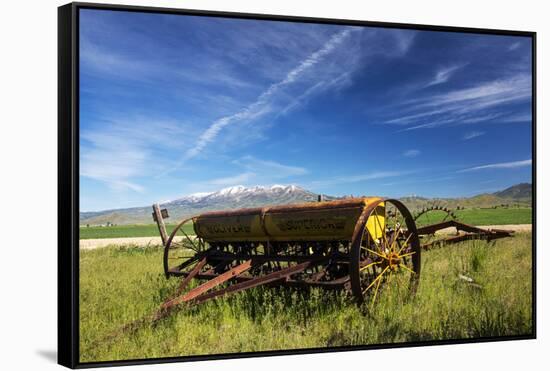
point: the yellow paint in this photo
(314, 221)
(312, 224)
(376, 223)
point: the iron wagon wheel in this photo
(183, 249)
(385, 251)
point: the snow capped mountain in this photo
(275, 194)
(228, 198)
(231, 190)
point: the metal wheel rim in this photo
(191, 260)
(357, 286)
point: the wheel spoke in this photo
(396, 236)
(190, 241)
(405, 244)
(368, 265)
(407, 268)
(393, 248)
(371, 237)
(184, 250)
(375, 280)
(183, 245)
(376, 292)
(374, 252)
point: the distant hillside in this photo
(520, 191)
(240, 197)
(480, 201)
(516, 196)
(225, 199)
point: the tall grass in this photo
(122, 284)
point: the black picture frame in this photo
(68, 180)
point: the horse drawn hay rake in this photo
(361, 245)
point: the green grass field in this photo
(495, 216)
(130, 230)
(118, 285)
(469, 216)
(498, 216)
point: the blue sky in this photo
(173, 105)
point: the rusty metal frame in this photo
(281, 260)
(245, 268)
(471, 233)
(282, 274)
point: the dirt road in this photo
(506, 227)
(510, 227)
(144, 241)
(122, 241)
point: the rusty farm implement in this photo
(361, 245)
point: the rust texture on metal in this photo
(190, 276)
(233, 272)
(334, 220)
(254, 282)
(361, 245)
(365, 246)
(464, 232)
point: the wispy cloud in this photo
(444, 74)
(487, 94)
(404, 39)
(120, 150)
(336, 84)
(473, 134)
(411, 153)
(97, 59)
(273, 169)
(262, 105)
(521, 117)
(501, 165)
(120, 64)
(514, 46)
(483, 118)
(181, 80)
(113, 166)
(465, 105)
(356, 178)
(253, 171)
(329, 68)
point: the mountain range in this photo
(224, 199)
(241, 197)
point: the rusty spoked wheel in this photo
(385, 252)
(183, 249)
